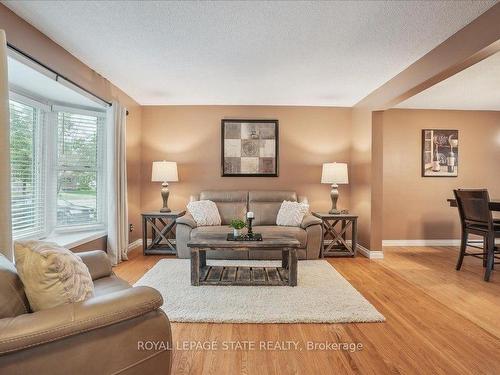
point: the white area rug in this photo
(321, 296)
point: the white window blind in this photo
(27, 173)
(80, 185)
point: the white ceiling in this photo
(475, 88)
(32, 83)
(257, 52)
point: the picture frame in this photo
(249, 148)
(440, 152)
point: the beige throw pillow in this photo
(52, 275)
(291, 213)
(204, 212)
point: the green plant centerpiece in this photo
(237, 226)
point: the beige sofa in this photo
(265, 205)
(101, 335)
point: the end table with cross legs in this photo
(335, 230)
(162, 225)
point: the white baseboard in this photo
(409, 243)
(370, 254)
(421, 243)
(135, 244)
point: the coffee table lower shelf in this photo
(243, 276)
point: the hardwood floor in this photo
(438, 321)
(465, 292)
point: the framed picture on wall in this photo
(249, 148)
(440, 153)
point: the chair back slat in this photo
(473, 206)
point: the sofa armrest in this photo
(309, 220)
(27, 330)
(97, 262)
(186, 219)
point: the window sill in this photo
(74, 239)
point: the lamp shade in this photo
(164, 171)
(334, 173)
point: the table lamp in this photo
(164, 172)
(335, 174)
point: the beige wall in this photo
(190, 135)
(377, 181)
(361, 171)
(134, 134)
(31, 41)
(366, 177)
(415, 207)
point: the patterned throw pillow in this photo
(291, 213)
(52, 275)
(204, 212)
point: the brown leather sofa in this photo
(110, 333)
(265, 205)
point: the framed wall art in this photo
(249, 148)
(440, 153)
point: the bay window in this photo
(57, 169)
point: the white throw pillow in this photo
(52, 275)
(205, 213)
(291, 213)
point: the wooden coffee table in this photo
(203, 274)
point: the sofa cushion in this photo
(266, 204)
(225, 195)
(204, 212)
(230, 211)
(51, 275)
(273, 230)
(13, 301)
(231, 204)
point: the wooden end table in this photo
(162, 225)
(203, 274)
(335, 229)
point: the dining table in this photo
(494, 204)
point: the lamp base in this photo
(334, 212)
(164, 195)
(334, 195)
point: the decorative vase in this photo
(236, 232)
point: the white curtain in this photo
(117, 183)
(5, 221)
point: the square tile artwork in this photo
(249, 148)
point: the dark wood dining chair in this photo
(476, 218)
